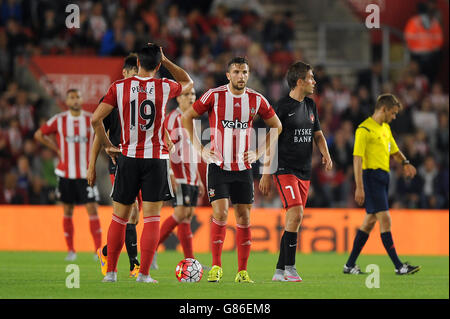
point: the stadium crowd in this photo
(201, 39)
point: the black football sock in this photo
(388, 243)
(280, 263)
(131, 244)
(290, 248)
(105, 250)
(358, 244)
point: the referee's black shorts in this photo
(150, 175)
(236, 185)
(376, 187)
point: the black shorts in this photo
(150, 175)
(376, 187)
(236, 185)
(186, 195)
(76, 191)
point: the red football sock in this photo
(166, 228)
(185, 237)
(243, 242)
(218, 230)
(96, 231)
(149, 242)
(116, 238)
(68, 232)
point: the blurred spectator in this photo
(112, 39)
(49, 33)
(439, 100)
(10, 9)
(17, 39)
(371, 79)
(150, 17)
(322, 79)
(424, 38)
(277, 30)
(338, 94)
(97, 23)
(10, 193)
(235, 7)
(15, 137)
(176, 24)
(354, 113)
(442, 137)
(426, 118)
(238, 41)
(428, 172)
(24, 112)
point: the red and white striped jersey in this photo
(184, 159)
(74, 136)
(142, 105)
(230, 120)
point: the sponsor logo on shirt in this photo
(234, 124)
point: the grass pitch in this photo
(43, 275)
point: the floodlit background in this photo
(40, 58)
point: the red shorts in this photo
(292, 190)
(139, 197)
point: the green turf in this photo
(43, 275)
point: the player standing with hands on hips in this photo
(374, 144)
(74, 135)
(231, 109)
(301, 127)
(142, 161)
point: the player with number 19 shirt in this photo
(142, 107)
(142, 161)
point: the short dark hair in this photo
(149, 56)
(237, 60)
(130, 62)
(71, 91)
(297, 71)
(388, 100)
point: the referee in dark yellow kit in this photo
(374, 144)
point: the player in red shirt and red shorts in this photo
(74, 135)
(231, 110)
(142, 160)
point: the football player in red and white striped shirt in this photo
(142, 160)
(73, 133)
(231, 109)
(186, 179)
